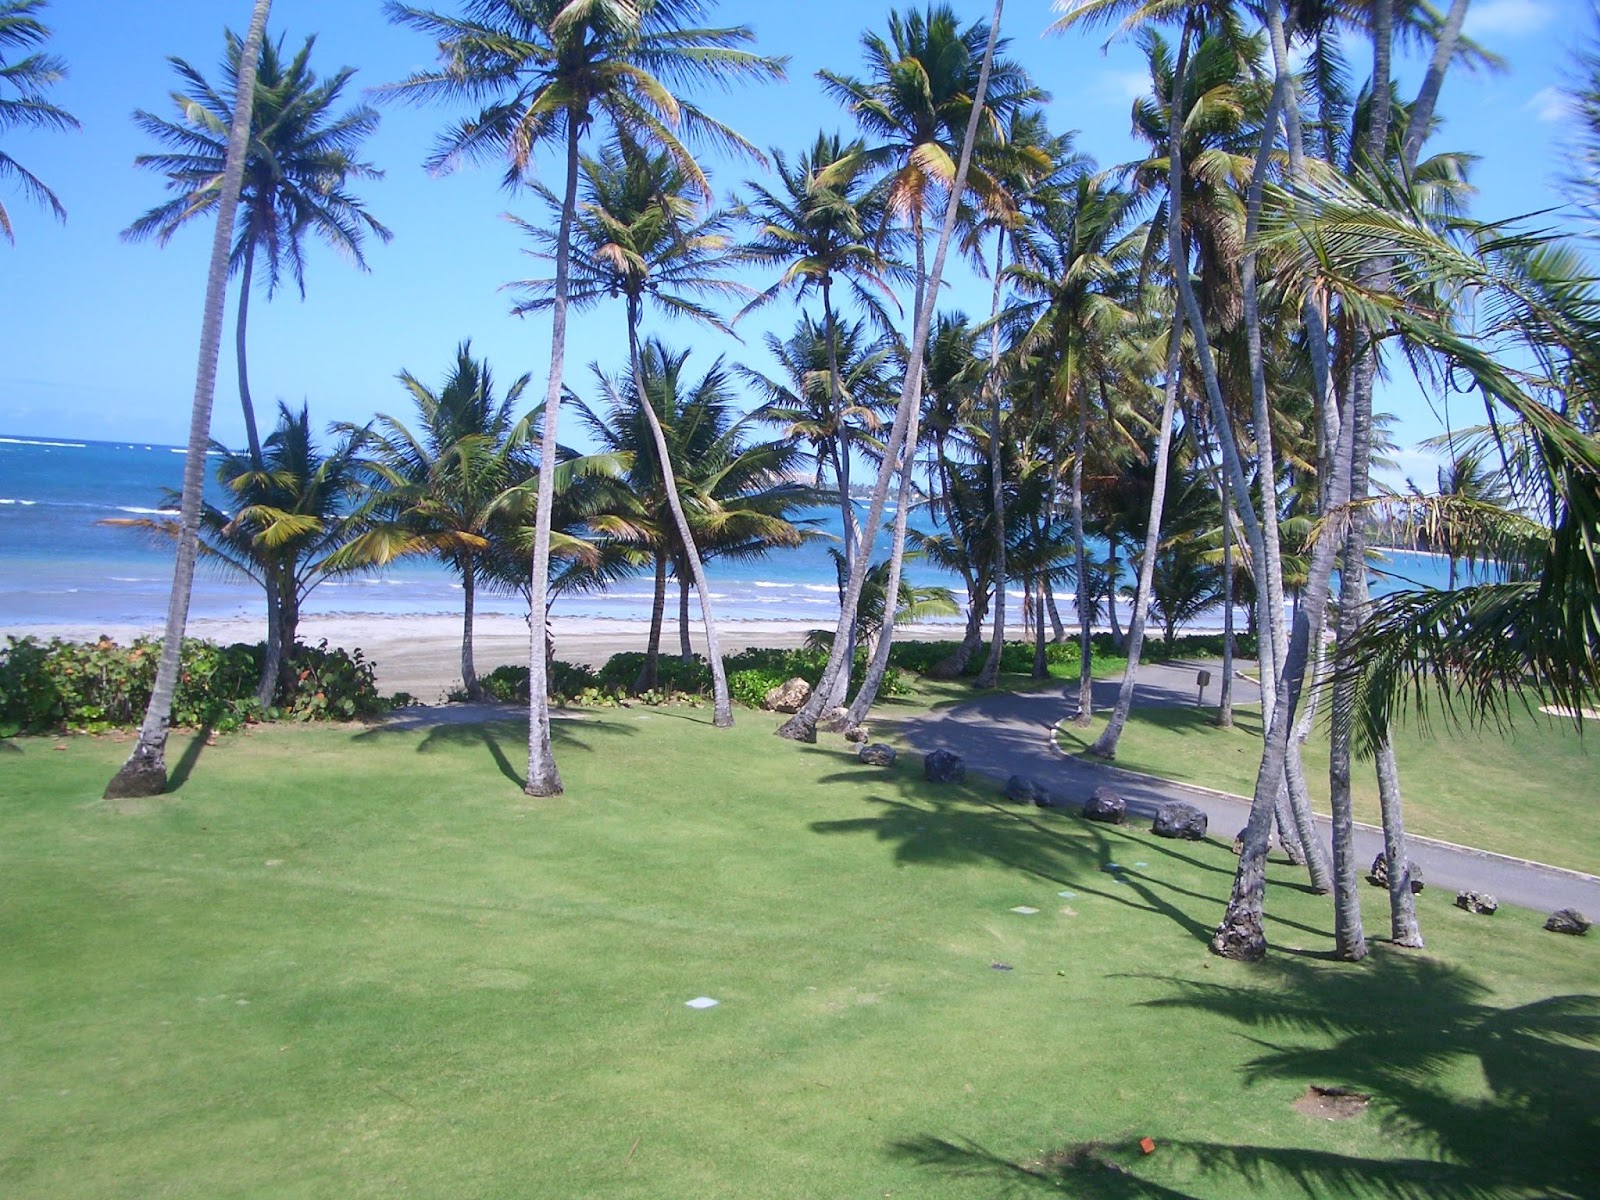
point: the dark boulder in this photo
(1379, 875)
(1179, 821)
(1568, 920)
(876, 754)
(1022, 790)
(1105, 805)
(1477, 902)
(944, 767)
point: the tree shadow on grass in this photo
(1416, 1036)
(189, 759)
(492, 736)
(929, 825)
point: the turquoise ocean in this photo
(60, 566)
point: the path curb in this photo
(1143, 777)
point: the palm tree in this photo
(439, 488)
(926, 81)
(1074, 313)
(735, 497)
(547, 70)
(293, 515)
(145, 771)
(27, 79)
(638, 235)
(824, 227)
(301, 158)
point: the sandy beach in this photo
(421, 653)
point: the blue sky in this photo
(98, 337)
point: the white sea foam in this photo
(34, 442)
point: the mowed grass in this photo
(1531, 789)
(349, 963)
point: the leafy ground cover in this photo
(359, 963)
(1529, 790)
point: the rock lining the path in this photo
(944, 767)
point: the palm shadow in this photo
(1408, 1032)
(491, 736)
(189, 759)
(933, 825)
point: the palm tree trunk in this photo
(145, 772)
(990, 674)
(272, 659)
(721, 702)
(1105, 745)
(1058, 629)
(1080, 546)
(650, 671)
(685, 648)
(802, 726)
(878, 663)
(847, 510)
(544, 778)
(469, 673)
(252, 435)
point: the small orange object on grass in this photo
(1148, 1145)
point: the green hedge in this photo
(51, 686)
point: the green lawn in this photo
(345, 963)
(1532, 790)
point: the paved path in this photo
(1005, 733)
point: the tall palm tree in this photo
(639, 235)
(300, 160)
(23, 83)
(1074, 309)
(548, 70)
(825, 226)
(734, 496)
(439, 487)
(302, 157)
(145, 771)
(925, 82)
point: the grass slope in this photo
(347, 963)
(1529, 790)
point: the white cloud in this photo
(1507, 18)
(1549, 104)
(1122, 87)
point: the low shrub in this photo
(56, 685)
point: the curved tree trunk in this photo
(803, 725)
(847, 510)
(990, 674)
(145, 772)
(721, 703)
(544, 779)
(1080, 546)
(1105, 745)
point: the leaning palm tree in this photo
(927, 81)
(548, 70)
(640, 235)
(825, 227)
(439, 486)
(301, 157)
(27, 79)
(145, 772)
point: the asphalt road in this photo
(1004, 734)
